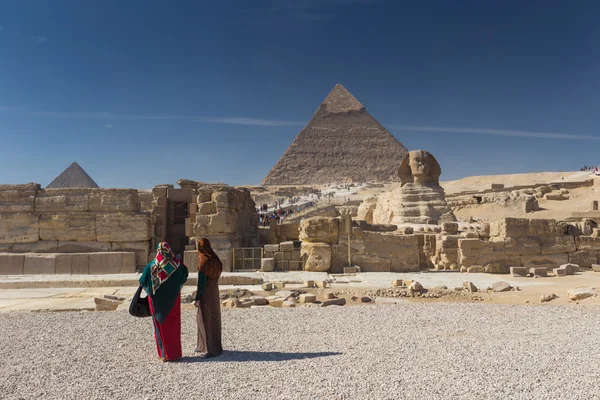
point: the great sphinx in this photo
(417, 200)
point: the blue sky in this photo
(147, 92)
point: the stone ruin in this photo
(105, 231)
(418, 200)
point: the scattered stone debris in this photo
(333, 302)
(501, 286)
(106, 304)
(580, 294)
(548, 297)
(416, 287)
(469, 287)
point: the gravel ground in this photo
(425, 351)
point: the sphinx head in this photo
(420, 167)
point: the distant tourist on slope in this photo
(207, 302)
(162, 280)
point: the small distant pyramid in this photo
(342, 142)
(73, 177)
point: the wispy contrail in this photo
(136, 117)
(497, 132)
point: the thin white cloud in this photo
(108, 126)
(136, 117)
(496, 132)
(41, 39)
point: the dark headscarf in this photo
(212, 267)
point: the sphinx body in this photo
(418, 199)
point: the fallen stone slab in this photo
(596, 267)
(307, 298)
(581, 293)
(321, 284)
(501, 286)
(333, 302)
(267, 287)
(538, 271)
(277, 302)
(103, 304)
(560, 272)
(278, 285)
(259, 300)
(397, 283)
(309, 284)
(518, 271)
(287, 293)
(570, 267)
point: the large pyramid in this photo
(73, 177)
(342, 142)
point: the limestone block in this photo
(400, 246)
(449, 227)
(11, 264)
(73, 263)
(583, 258)
(6, 248)
(40, 264)
(571, 268)
(522, 245)
(62, 200)
(112, 200)
(510, 227)
(19, 228)
(372, 263)
(106, 263)
(282, 265)
(560, 271)
(287, 246)
(548, 261)
(518, 271)
(128, 265)
(17, 200)
(357, 245)
(50, 246)
(120, 227)
(538, 271)
(447, 242)
(557, 244)
(587, 243)
(222, 199)
(351, 270)
(271, 248)
(139, 248)
(267, 264)
(319, 229)
(295, 265)
(206, 208)
(543, 227)
(316, 256)
(307, 298)
(296, 255)
(68, 226)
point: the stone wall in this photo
(518, 242)
(53, 221)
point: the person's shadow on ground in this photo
(241, 356)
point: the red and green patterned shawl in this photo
(162, 280)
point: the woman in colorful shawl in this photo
(162, 280)
(208, 303)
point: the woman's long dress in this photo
(168, 334)
(210, 306)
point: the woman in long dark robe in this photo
(207, 301)
(162, 280)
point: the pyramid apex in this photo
(341, 101)
(73, 177)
